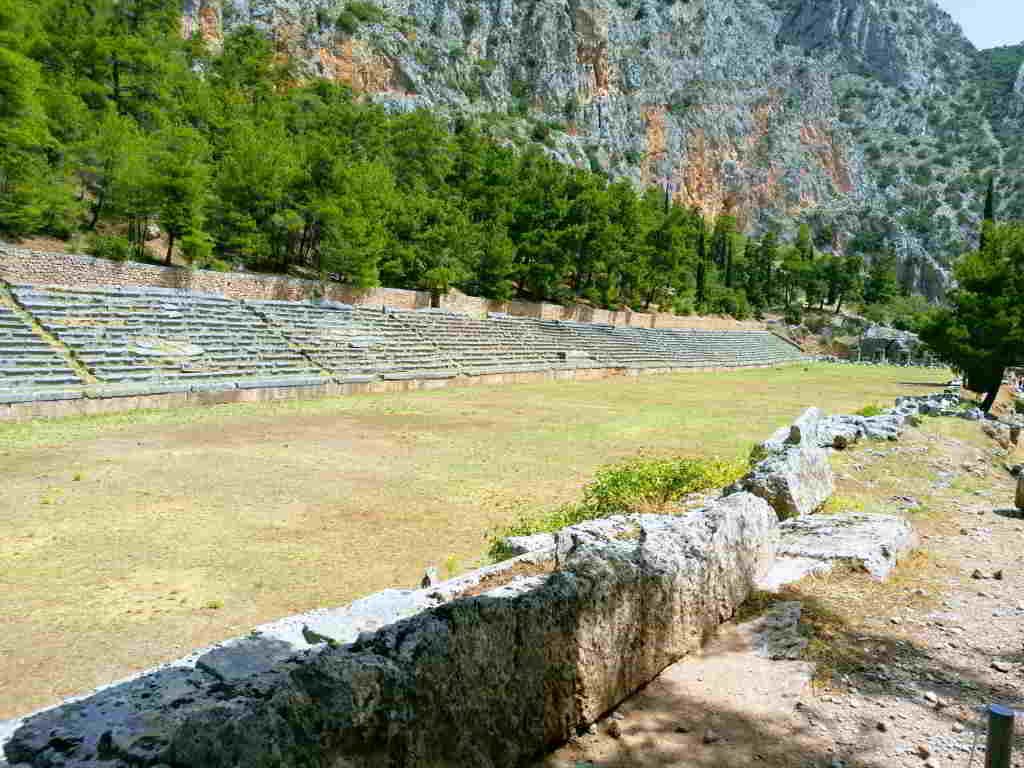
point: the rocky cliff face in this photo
(846, 114)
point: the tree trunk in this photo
(97, 208)
(170, 248)
(990, 399)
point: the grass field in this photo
(131, 539)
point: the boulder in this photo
(486, 681)
(816, 544)
(1019, 500)
(795, 476)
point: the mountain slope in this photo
(868, 120)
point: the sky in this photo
(988, 23)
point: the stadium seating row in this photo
(152, 340)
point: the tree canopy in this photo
(120, 135)
(981, 332)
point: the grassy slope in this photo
(133, 539)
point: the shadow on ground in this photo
(867, 706)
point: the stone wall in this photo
(81, 405)
(18, 265)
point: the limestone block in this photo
(816, 544)
(795, 477)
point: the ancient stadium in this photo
(229, 505)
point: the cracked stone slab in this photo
(795, 476)
(817, 543)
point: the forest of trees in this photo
(111, 125)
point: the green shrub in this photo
(541, 132)
(368, 13)
(870, 410)
(519, 89)
(116, 247)
(356, 13)
(636, 485)
(642, 484)
(347, 22)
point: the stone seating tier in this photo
(162, 336)
(27, 362)
(147, 341)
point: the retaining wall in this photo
(86, 406)
(18, 265)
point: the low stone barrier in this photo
(95, 401)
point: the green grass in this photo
(635, 485)
(277, 508)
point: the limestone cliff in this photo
(846, 114)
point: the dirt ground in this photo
(132, 539)
(894, 673)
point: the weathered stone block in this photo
(795, 477)
(816, 544)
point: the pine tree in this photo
(767, 256)
(730, 260)
(881, 285)
(804, 244)
(755, 285)
(979, 332)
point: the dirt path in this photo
(899, 669)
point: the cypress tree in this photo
(989, 216)
(729, 259)
(701, 262)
